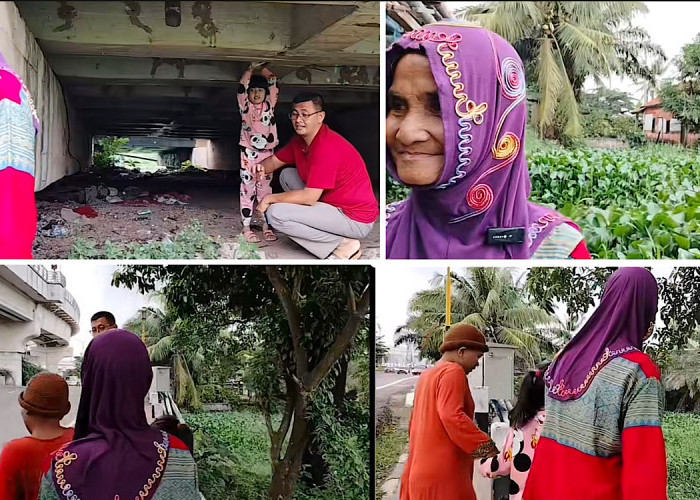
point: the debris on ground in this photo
(69, 215)
(208, 197)
(113, 199)
(86, 211)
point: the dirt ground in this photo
(211, 198)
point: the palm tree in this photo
(564, 43)
(160, 331)
(486, 298)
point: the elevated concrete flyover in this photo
(38, 316)
(171, 69)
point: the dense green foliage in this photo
(29, 369)
(682, 433)
(634, 204)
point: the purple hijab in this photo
(617, 327)
(485, 183)
(115, 452)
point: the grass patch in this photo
(682, 433)
(389, 447)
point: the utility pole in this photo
(448, 304)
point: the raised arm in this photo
(242, 95)
(272, 81)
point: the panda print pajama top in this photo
(258, 141)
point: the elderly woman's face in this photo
(414, 130)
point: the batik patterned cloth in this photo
(608, 443)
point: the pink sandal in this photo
(250, 236)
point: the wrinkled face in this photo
(469, 359)
(414, 130)
(307, 120)
(256, 96)
(101, 325)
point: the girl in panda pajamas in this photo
(257, 97)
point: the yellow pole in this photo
(448, 305)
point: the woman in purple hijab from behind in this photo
(116, 455)
(602, 439)
(455, 134)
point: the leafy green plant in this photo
(191, 243)
(635, 204)
(108, 149)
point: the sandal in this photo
(250, 236)
(269, 235)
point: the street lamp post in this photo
(144, 314)
(448, 304)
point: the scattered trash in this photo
(168, 199)
(102, 192)
(113, 192)
(90, 194)
(55, 231)
(69, 215)
(146, 214)
(113, 199)
(86, 211)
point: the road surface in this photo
(391, 384)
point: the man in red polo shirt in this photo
(328, 204)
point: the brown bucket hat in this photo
(46, 395)
(467, 336)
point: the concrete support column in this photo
(50, 357)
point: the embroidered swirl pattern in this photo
(64, 458)
(506, 147)
(160, 465)
(540, 225)
(561, 390)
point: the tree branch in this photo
(301, 357)
(341, 342)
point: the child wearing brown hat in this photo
(44, 403)
(443, 438)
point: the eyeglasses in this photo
(100, 328)
(295, 114)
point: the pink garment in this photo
(258, 127)
(252, 189)
(516, 456)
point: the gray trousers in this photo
(318, 228)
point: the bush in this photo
(216, 393)
(232, 451)
(682, 434)
(109, 148)
(29, 369)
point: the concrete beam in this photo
(307, 23)
(241, 31)
(338, 38)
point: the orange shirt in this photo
(21, 465)
(442, 438)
